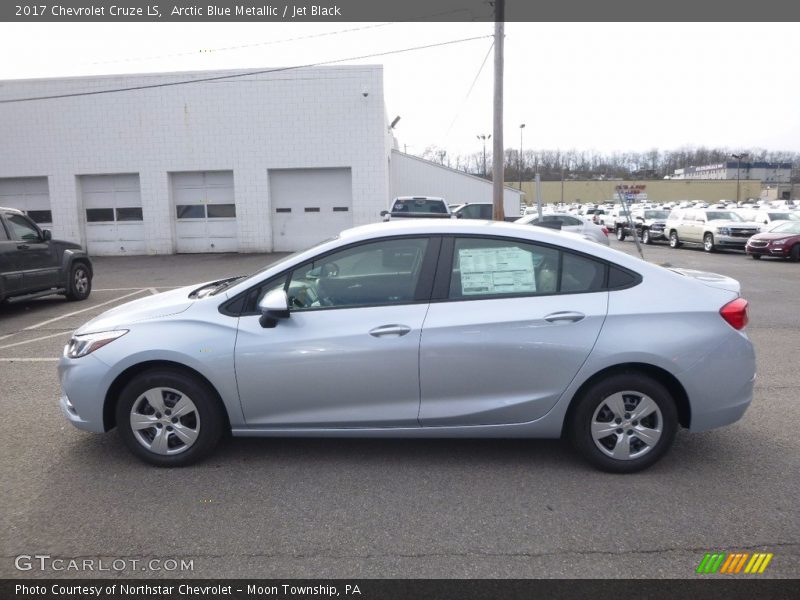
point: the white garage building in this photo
(231, 162)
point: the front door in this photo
(348, 354)
(34, 256)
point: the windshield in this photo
(656, 214)
(723, 215)
(791, 227)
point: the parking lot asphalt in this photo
(394, 508)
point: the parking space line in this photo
(44, 337)
(83, 310)
(153, 291)
(29, 359)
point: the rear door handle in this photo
(572, 317)
(398, 330)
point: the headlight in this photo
(81, 345)
(778, 242)
(724, 230)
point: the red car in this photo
(783, 241)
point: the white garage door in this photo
(205, 210)
(308, 206)
(30, 195)
(113, 209)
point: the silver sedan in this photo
(571, 223)
(423, 328)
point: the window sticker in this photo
(496, 271)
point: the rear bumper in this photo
(720, 386)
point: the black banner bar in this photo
(402, 10)
(708, 587)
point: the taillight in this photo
(735, 313)
(605, 230)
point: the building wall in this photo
(306, 118)
(413, 176)
(657, 191)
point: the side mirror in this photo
(46, 235)
(384, 213)
(273, 306)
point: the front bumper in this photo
(727, 241)
(83, 381)
(780, 251)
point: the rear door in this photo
(34, 257)
(510, 324)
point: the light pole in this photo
(519, 158)
(738, 158)
(484, 137)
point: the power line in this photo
(246, 74)
(471, 87)
(241, 46)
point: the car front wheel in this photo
(708, 242)
(795, 253)
(624, 423)
(169, 418)
(79, 285)
(620, 233)
(646, 237)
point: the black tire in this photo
(708, 242)
(756, 256)
(674, 242)
(620, 233)
(794, 255)
(593, 400)
(207, 420)
(79, 284)
(646, 237)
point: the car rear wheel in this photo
(620, 233)
(708, 242)
(674, 242)
(624, 423)
(79, 285)
(169, 418)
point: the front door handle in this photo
(398, 330)
(572, 317)
(22, 246)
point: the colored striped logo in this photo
(734, 562)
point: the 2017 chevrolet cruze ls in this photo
(423, 328)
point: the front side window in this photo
(22, 229)
(373, 274)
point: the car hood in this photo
(714, 280)
(769, 236)
(142, 309)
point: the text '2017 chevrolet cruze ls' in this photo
(423, 328)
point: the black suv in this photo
(32, 264)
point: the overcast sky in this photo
(588, 86)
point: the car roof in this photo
(12, 210)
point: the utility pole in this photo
(498, 214)
(738, 158)
(519, 158)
